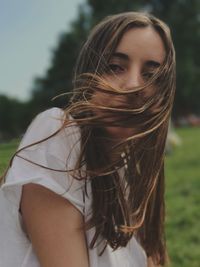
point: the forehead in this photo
(144, 42)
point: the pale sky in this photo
(29, 31)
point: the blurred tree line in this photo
(182, 16)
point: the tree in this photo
(183, 18)
(14, 117)
(58, 78)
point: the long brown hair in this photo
(131, 203)
(134, 203)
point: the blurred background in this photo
(40, 41)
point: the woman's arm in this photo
(54, 226)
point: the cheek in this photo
(115, 81)
(100, 98)
(149, 92)
(140, 98)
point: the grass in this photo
(6, 151)
(183, 200)
(182, 197)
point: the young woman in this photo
(86, 186)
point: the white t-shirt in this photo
(57, 152)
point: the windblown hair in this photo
(132, 203)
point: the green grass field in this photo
(183, 200)
(182, 197)
(6, 150)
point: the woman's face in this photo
(137, 57)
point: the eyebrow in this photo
(120, 56)
(149, 63)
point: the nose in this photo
(133, 79)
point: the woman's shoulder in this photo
(51, 125)
(47, 121)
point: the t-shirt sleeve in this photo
(47, 163)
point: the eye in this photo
(148, 74)
(115, 68)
